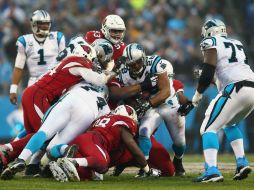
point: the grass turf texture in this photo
(127, 181)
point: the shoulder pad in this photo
(155, 64)
(208, 43)
(22, 40)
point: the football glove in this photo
(142, 106)
(151, 173)
(184, 109)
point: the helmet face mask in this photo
(40, 23)
(113, 28)
(135, 59)
(212, 28)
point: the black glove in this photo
(152, 173)
(184, 109)
(142, 105)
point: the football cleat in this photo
(18, 165)
(141, 173)
(179, 169)
(57, 172)
(71, 151)
(243, 169)
(212, 174)
(151, 173)
(69, 167)
(33, 170)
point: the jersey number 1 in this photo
(41, 53)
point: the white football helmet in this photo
(113, 23)
(135, 58)
(84, 50)
(169, 68)
(40, 17)
(213, 27)
(104, 50)
(126, 110)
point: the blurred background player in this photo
(38, 50)
(113, 30)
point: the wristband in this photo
(13, 88)
(146, 168)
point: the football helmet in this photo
(113, 28)
(126, 110)
(84, 50)
(135, 59)
(104, 50)
(38, 20)
(169, 68)
(213, 27)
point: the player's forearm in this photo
(17, 75)
(159, 98)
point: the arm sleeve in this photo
(20, 60)
(21, 53)
(90, 76)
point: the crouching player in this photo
(108, 134)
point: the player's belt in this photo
(239, 85)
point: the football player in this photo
(113, 30)
(108, 133)
(38, 50)
(225, 58)
(160, 104)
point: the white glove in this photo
(196, 98)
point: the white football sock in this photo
(62, 149)
(211, 156)
(25, 154)
(237, 146)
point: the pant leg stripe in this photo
(220, 103)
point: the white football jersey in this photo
(40, 56)
(153, 67)
(232, 63)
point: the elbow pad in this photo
(206, 77)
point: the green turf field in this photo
(127, 181)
